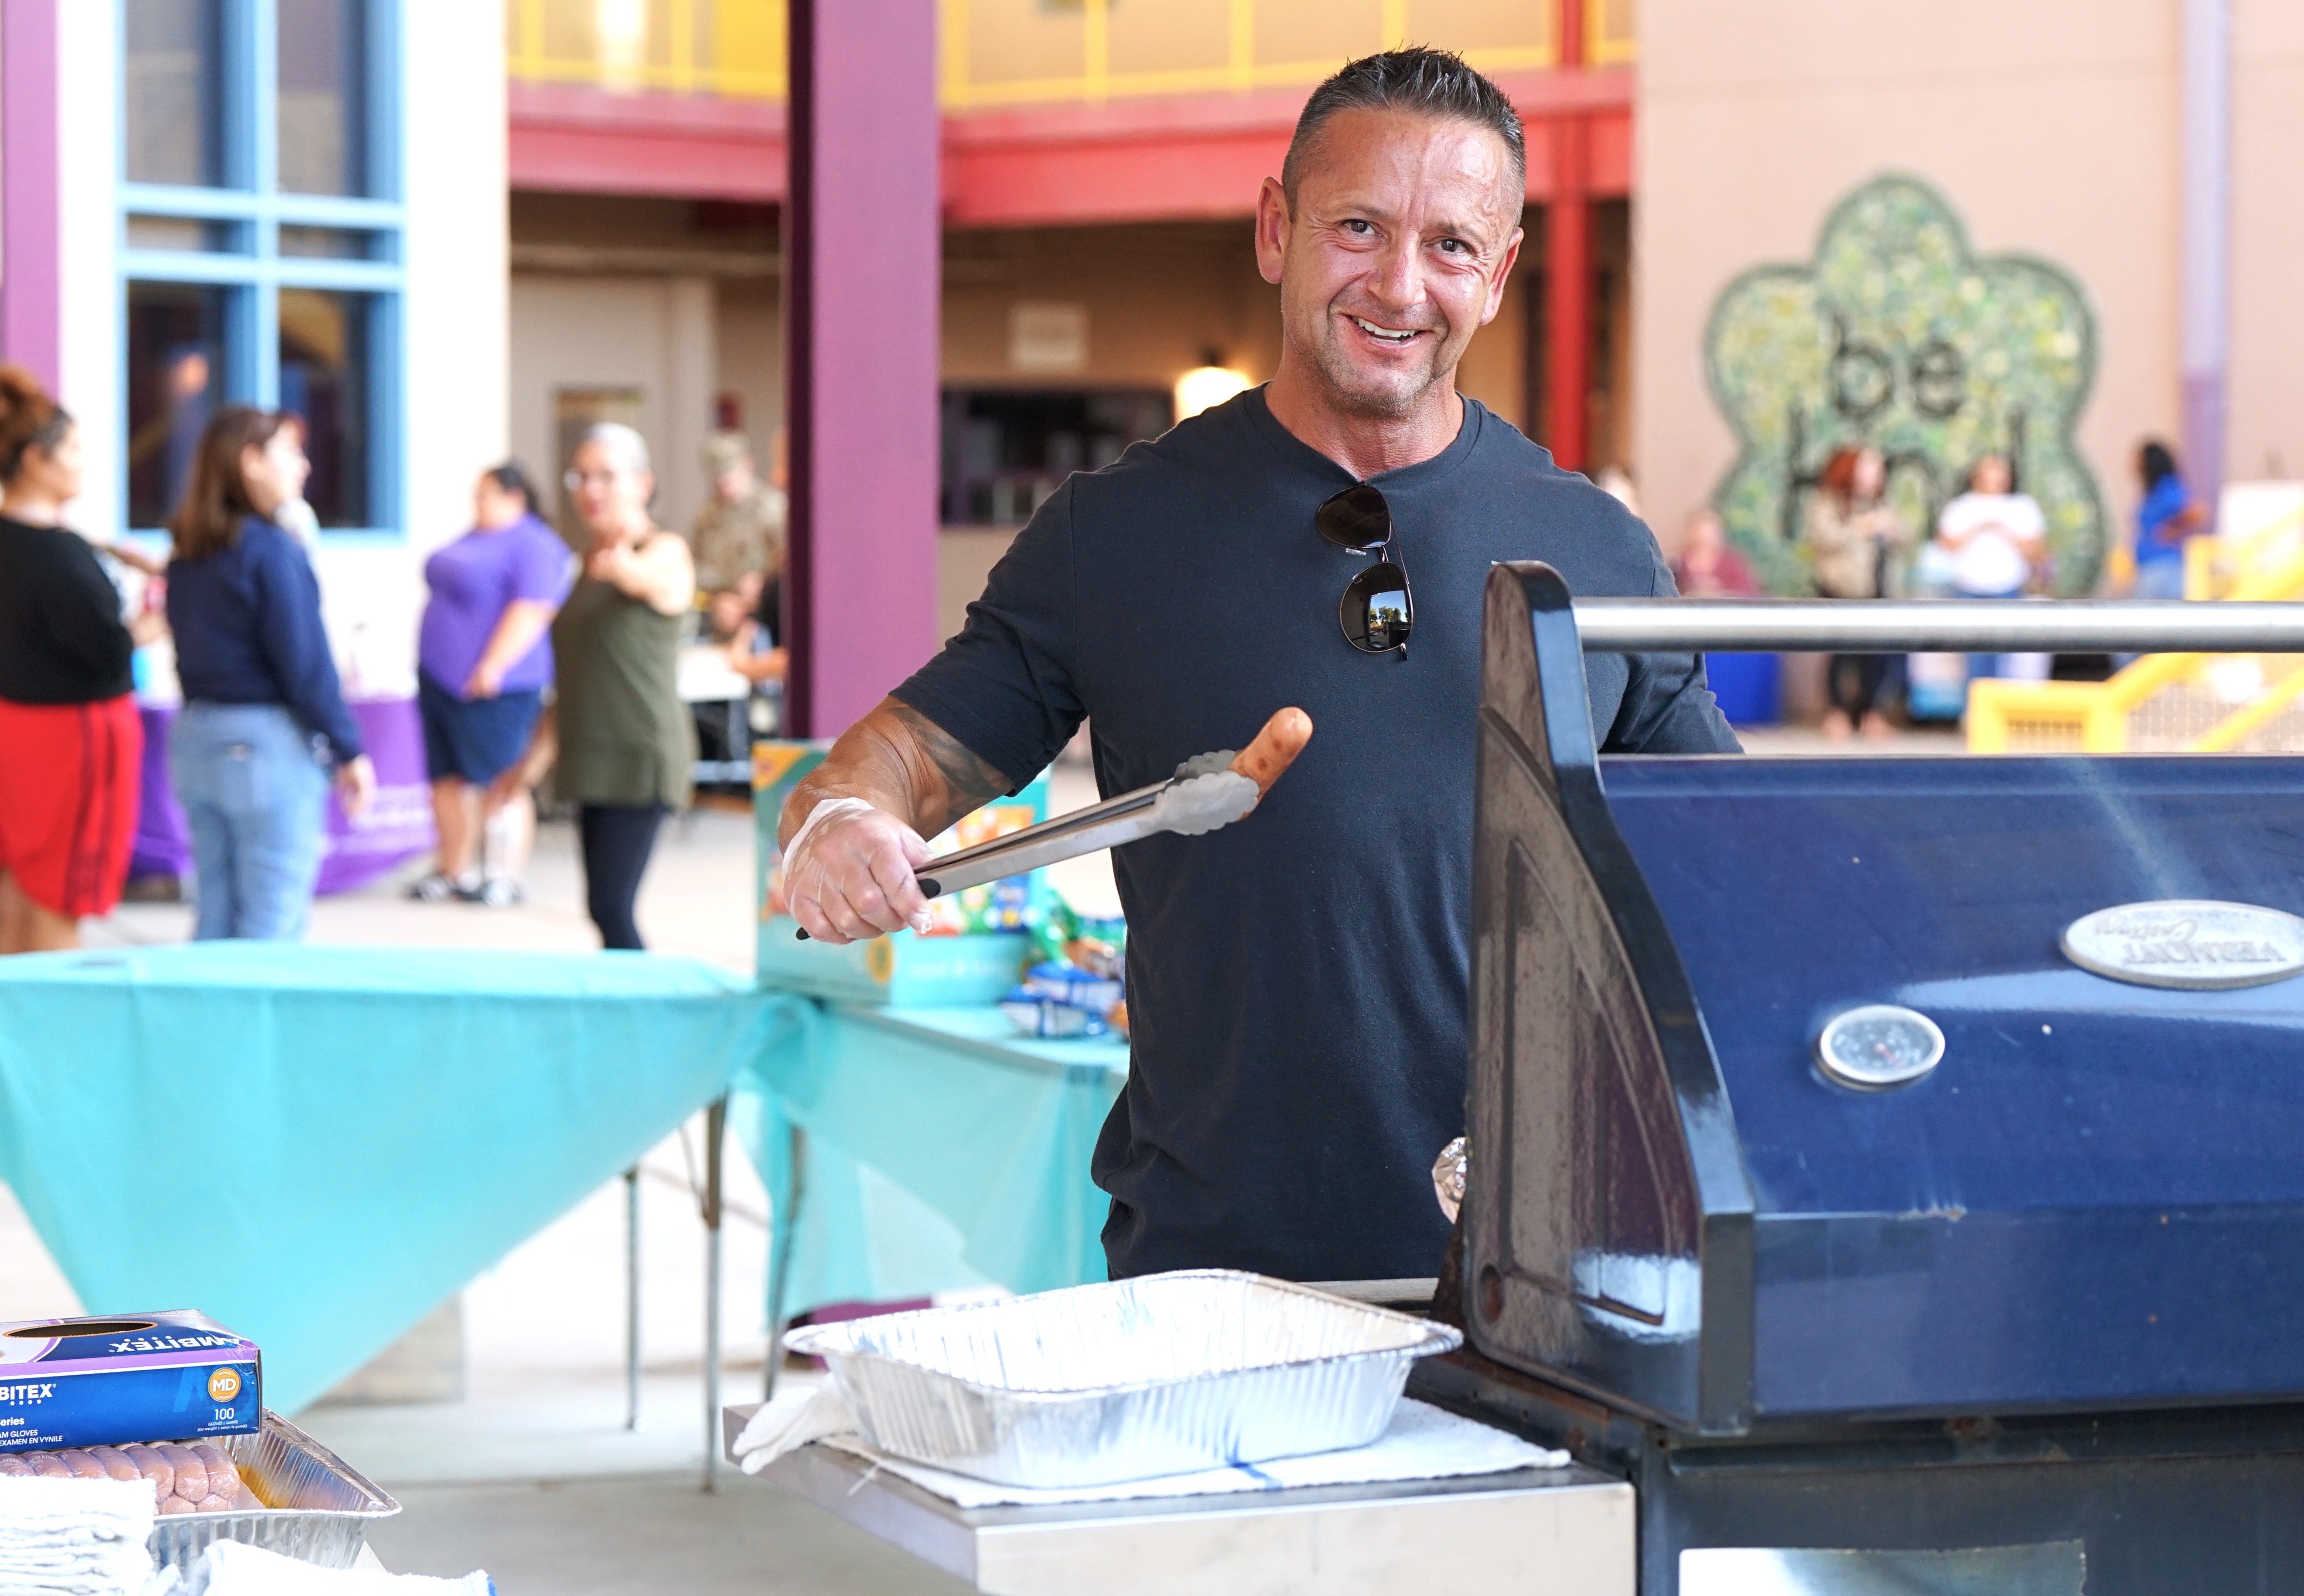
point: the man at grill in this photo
(1297, 984)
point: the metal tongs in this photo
(1208, 791)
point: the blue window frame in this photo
(262, 241)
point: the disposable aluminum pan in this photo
(1165, 1374)
(321, 1506)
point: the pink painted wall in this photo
(863, 251)
(29, 279)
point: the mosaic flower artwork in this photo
(1897, 335)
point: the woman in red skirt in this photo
(71, 746)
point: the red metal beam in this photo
(1205, 155)
(1568, 265)
(572, 138)
(1126, 161)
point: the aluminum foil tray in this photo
(320, 1505)
(1164, 1374)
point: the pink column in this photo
(862, 253)
(30, 270)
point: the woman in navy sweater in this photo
(264, 722)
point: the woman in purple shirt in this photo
(483, 659)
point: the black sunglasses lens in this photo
(1357, 518)
(1377, 614)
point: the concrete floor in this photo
(654, 1534)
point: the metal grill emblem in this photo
(2193, 944)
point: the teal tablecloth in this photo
(315, 1146)
(938, 1150)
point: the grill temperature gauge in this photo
(1878, 1046)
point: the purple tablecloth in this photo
(397, 826)
(163, 844)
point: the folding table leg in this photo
(632, 1297)
(716, 1127)
(784, 1225)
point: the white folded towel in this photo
(228, 1568)
(75, 1537)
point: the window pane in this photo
(176, 376)
(323, 379)
(182, 232)
(330, 243)
(174, 88)
(323, 108)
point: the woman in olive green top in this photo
(622, 739)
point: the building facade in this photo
(1100, 162)
(444, 233)
(2054, 138)
(258, 201)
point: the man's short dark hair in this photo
(1435, 83)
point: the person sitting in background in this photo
(754, 652)
(264, 719)
(624, 743)
(1850, 529)
(739, 535)
(482, 662)
(1708, 567)
(1996, 541)
(2165, 518)
(71, 747)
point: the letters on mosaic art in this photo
(1895, 334)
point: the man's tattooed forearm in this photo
(967, 780)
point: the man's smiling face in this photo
(1392, 253)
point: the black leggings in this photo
(617, 839)
(1854, 682)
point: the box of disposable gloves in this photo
(131, 1377)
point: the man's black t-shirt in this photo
(1297, 983)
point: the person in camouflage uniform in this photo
(739, 537)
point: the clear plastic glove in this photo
(790, 1419)
(850, 873)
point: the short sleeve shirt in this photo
(1990, 530)
(2164, 502)
(1297, 982)
(472, 579)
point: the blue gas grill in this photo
(1894, 1168)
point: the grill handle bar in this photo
(1936, 626)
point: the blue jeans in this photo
(2160, 578)
(255, 794)
(1981, 666)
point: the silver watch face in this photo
(2187, 943)
(1878, 1046)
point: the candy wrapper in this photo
(1049, 1020)
(1077, 985)
(1093, 943)
(1448, 1172)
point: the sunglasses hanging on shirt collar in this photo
(1377, 612)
